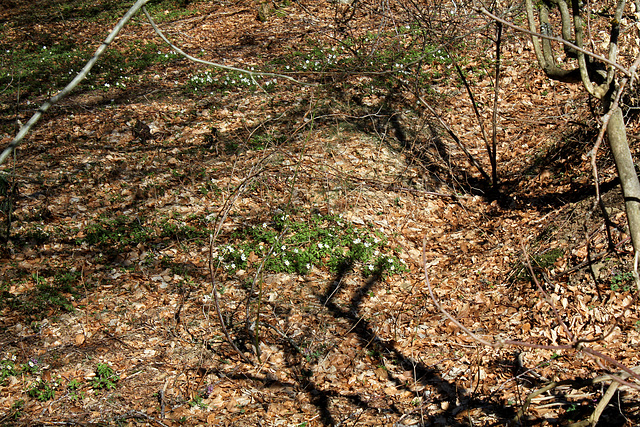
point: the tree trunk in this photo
(617, 133)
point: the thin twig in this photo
(216, 300)
(494, 119)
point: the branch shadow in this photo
(367, 337)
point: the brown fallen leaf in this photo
(79, 339)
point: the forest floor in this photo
(151, 206)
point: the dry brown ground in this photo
(336, 349)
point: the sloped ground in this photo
(108, 310)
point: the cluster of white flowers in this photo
(116, 84)
(231, 250)
(311, 65)
(208, 78)
(204, 78)
(332, 59)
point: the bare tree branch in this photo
(623, 70)
(78, 78)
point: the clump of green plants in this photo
(170, 10)
(7, 368)
(403, 51)
(197, 401)
(74, 390)
(120, 231)
(54, 291)
(547, 258)
(538, 262)
(31, 367)
(313, 353)
(260, 141)
(287, 245)
(16, 409)
(623, 282)
(42, 390)
(63, 57)
(105, 377)
(180, 231)
(223, 80)
(34, 235)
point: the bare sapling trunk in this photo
(617, 135)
